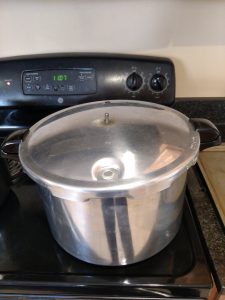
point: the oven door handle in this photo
(10, 145)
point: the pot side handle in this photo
(210, 136)
(10, 145)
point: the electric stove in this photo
(32, 264)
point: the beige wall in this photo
(191, 32)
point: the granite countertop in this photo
(212, 109)
(211, 225)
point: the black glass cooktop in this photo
(31, 260)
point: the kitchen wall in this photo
(191, 33)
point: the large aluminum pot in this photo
(112, 175)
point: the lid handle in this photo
(210, 135)
(10, 145)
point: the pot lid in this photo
(109, 144)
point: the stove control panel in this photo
(60, 82)
(56, 81)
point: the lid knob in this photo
(106, 120)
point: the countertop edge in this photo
(210, 224)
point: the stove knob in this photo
(134, 82)
(158, 83)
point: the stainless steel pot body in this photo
(116, 230)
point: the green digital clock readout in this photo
(60, 77)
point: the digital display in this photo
(60, 77)
(77, 81)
